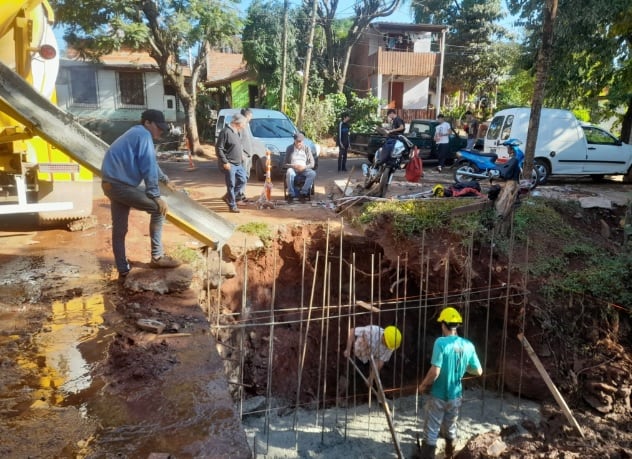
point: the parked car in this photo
(420, 133)
(564, 145)
(272, 130)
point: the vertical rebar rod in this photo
(523, 320)
(304, 350)
(300, 333)
(402, 359)
(328, 295)
(489, 307)
(271, 351)
(322, 323)
(396, 323)
(468, 286)
(340, 255)
(350, 324)
(446, 279)
(242, 333)
(505, 332)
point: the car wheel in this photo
(257, 165)
(544, 170)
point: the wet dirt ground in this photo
(64, 320)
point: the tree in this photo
(168, 29)
(473, 56)
(263, 51)
(590, 60)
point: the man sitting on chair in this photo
(299, 161)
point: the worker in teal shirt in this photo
(452, 357)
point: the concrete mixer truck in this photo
(35, 176)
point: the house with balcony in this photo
(401, 64)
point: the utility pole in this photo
(284, 57)
(308, 61)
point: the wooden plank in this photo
(367, 306)
(550, 384)
(379, 392)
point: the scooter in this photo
(390, 157)
(475, 165)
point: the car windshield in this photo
(271, 127)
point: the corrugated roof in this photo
(225, 67)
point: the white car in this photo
(274, 131)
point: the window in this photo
(83, 87)
(597, 136)
(131, 89)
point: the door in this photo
(605, 154)
(396, 94)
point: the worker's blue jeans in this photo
(440, 417)
(122, 199)
(235, 179)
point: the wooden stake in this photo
(550, 384)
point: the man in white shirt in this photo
(300, 162)
(442, 139)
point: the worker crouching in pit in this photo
(374, 341)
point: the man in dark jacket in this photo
(229, 152)
(344, 129)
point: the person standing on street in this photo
(230, 153)
(452, 357)
(442, 139)
(472, 129)
(344, 141)
(130, 161)
(248, 146)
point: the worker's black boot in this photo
(449, 449)
(427, 451)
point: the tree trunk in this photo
(505, 203)
(626, 125)
(507, 197)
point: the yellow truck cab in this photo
(35, 177)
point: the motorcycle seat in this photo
(493, 156)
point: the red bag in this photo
(415, 168)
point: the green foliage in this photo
(261, 230)
(411, 217)
(364, 113)
(516, 90)
(319, 117)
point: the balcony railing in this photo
(405, 63)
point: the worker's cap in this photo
(238, 118)
(392, 337)
(298, 136)
(156, 116)
(440, 115)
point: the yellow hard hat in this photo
(392, 337)
(450, 315)
(438, 190)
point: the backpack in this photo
(415, 168)
(472, 188)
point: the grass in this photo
(261, 230)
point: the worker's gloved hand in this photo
(171, 186)
(162, 206)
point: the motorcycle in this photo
(395, 154)
(475, 165)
